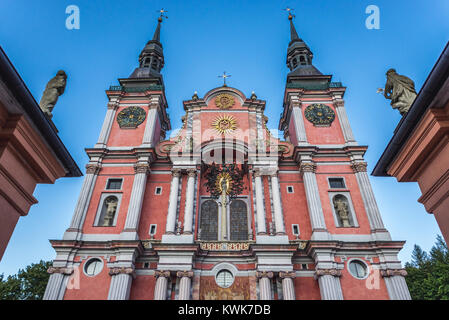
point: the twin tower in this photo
(225, 210)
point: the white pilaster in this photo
(278, 215)
(148, 134)
(329, 282)
(265, 285)
(173, 202)
(396, 284)
(136, 200)
(344, 122)
(298, 121)
(73, 233)
(368, 198)
(107, 124)
(185, 283)
(319, 231)
(261, 224)
(190, 194)
(57, 282)
(121, 280)
(288, 288)
(160, 290)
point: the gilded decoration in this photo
(239, 290)
(224, 101)
(319, 114)
(224, 124)
(224, 246)
(131, 117)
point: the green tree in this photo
(428, 274)
(28, 284)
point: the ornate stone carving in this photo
(113, 105)
(181, 274)
(92, 168)
(224, 124)
(287, 274)
(224, 101)
(165, 274)
(339, 103)
(331, 272)
(62, 270)
(257, 173)
(400, 90)
(55, 87)
(308, 167)
(176, 172)
(342, 210)
(264, 274)
(191, 173)
(119, 270)
(359, 166)
(393, 272)
(111, 208)
(141, 168)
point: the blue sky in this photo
(201, 39)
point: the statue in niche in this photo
(111, 208)
(342, 210)
(55, 87)
(400, 90)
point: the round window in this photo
(224, 278)
(358, 269)
(93, 267)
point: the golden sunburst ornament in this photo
(224, 101)
(224, 124)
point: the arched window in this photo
(108, 211)
(302, 60)
(209, 220)
(343, 211)
(239, 220)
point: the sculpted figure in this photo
(55, 87)
(400, 90)
(111, 208)
(342, 210)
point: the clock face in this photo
(131, 117)
(319, 114)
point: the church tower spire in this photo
(151, 59)
(299, 55)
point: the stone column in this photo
(278, 215)
(366, 191)
(184, 284)
(57, 282)
(173, 202)
(121, 279)
(396, 285)
(73, 233)
(329, 282)
(344, 122)
(264, 284)
(160, 290)
(313, 201)
(288, 287)
(190, 194)
(261, 224)
(107, 124)
(137, 194)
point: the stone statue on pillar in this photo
(400, 90)
(55, 87)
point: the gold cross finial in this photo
(162, 12)
(290, 15)
(224, 76)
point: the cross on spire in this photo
(162, 12)
(290, 15)
(224, 76)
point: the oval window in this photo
(224, 278)
(93, 267)
(358, 269)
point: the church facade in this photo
(225, 210)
